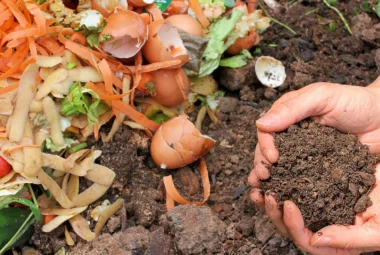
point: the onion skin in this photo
(155, 50)
(178, 143)
(246, 42)
(186, 23)
(167, 88)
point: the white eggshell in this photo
(270, 71)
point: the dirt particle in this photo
(188, 179)
(326, 193)
(196, 229)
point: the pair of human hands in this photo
(349, 109)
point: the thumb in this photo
(365, 236)
(310, 101)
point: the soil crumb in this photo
(328, 174)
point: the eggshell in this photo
(140, 3)
(178, 143)
(129, 33)
(246, 42)
(168, 92)
(186, 23)
(164, 43)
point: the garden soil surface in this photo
(229, 223)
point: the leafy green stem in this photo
(276, 21)
(326, 2)
(24, 227)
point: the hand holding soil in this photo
(349, 109)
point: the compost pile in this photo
(326, 173)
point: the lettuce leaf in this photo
(236, 61)
(219, 31)
(82, 100)
(54, 148)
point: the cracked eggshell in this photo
(178, 143)
(167, 86)
(164, 44)
(128, 33)
(186, 23)
(270, 71)
(140, 3)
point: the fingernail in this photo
(322, 241)
(288, 210)
(268, 120)
(257, 172)
(268, 155)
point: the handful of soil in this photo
(326, 173)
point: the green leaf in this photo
(14, 199)
(219, 31)
(54, 148)
(71, 65)
(365, 6)
(160, 117)
(92, 40)
(256, 52)
(236, 61)
(376, 9)
(162, 4)
(327, 24)
(96, 109)
(105, 38)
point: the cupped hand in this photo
(349, 109)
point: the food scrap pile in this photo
(69, 67)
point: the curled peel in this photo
(172, 194)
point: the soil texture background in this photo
(229, 223)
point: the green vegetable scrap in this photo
(71, 65)
(237, 61)
(82, 100)
(219, 31)
(162, 4)
(54, 148)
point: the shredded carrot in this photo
(116, 81)
(82, 52)
(3, 135)
(26, 63)
(155, 11)
(137, 75)
(107, 74)
(4, 16)
(145, 79)
(96, 131)
(172, 192)
(156, 66)
(50, 44)
(170, 203)
(194, 5)
(15, 42)
(16, 65)
(177, 7)
(135, 115)
(79, 38)
(252, 5)
(17, 14)
(42, 50)
(11, 149)
(32, 47)
(2, 129)
(104, 94)
(48, 218)
(39, 18)
(65, 32)
(7, 24)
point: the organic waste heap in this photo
(326, 173)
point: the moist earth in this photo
(312, 55)
(326, 173)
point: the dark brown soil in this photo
(326, 173)
(312, 55)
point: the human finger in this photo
(301, 235)
(365, 236)
(253, 179)
(258, 198)
(260, 164)
(312, 101)
(267, 146)
(274, 213)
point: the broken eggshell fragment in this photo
(270, 71)
(124, 35)
(178, 143)
(164, 43)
